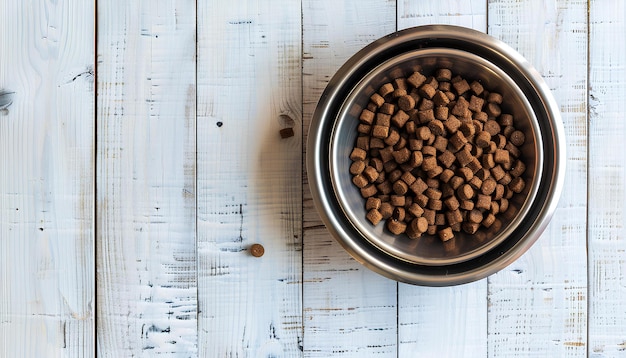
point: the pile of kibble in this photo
(436, 155)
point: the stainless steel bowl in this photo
(332, 135)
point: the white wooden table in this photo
(137, 170)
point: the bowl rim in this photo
(548, 115)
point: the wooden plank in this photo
(249, 178)
(46, 191)
(538, 305)
(146, 260)
(607, 175)
(445, 321)
(349, 311)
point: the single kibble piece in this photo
(429, 150)
(370, 173)
(257, 250)
(419, 225)
(446, 158)
(426, 115)
(367, 116)
(377, 99)
(483, 201)
(357, 167)
(429, 163)
(360, 181)
(380, 131)
(369, 190)
(461, 86)
(436, 127)
(406, 102)
(493, 109)
(501, 156)
(372, 203)
(358, 154)
(386, 110)
(517, 185)
(386, 210)
(386, 89)
(477, 88)
(427, 91)
(443, 74)
(396, 227)
(489, 220)
(482, 139)
(399, 213)
(517, 138)
(400, 187)
(488, 186)
(476, 103)
(465, 192)
(492, 127)
(400, 118)
(494, 97)
(446, 234)
(374, 216)
(416, 79)
(402, 155)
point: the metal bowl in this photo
(473, 55)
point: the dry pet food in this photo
(436, 155)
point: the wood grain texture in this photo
(146, 258)
(538, 305)
(349, 311)
(444, 321)
(46, 181)
(607, 175)
(249, 179)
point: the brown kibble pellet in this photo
(518, 168)
(494, 97)
(487, 161)
(457, 140)
(440, 99)
(434, 172)
(517, 138)
(447, 158)
(482, 139)
(432, 229)
(427, 91)
(429, 163)
(466, 173)
(501, 156)
(363, 142)
(394, 175)
(374, 216)
(416, 79)
(476, 183)
(423, 133)
(379, 131)
(493, 109)
(406, 102)
(443, 74)
(397, 200)
(400, 187)
(400, 118)
(429, 151)
(419, 225)
(475, 216)
(488, 186)
(370, 173)
(399, 213)
(446, 234)
(377, 143)
(419, 186)
(386, 210)
(426, 115)
(429, 215)
(504, 205)
(463, 157)
(513, 150)
(452, 124)
(497, 172)
(358, 154)
(483, 201)
(367, 116)
(456, 182)
(440, 219)
(492, 127)
(372, 203)
(398, 92)
(454, 217)
(461, 86)
(436, 127)
(495, 208)
(421, 200)
(385, 187)
(480, 116)
(257, 250)
(477, 88)
(465, 192)
(402, 155)
(415, 209)
(466, 205)
(476, 103)
(369, 190)
(488, 220)
(446, 175)
(383, 119)
(392, 138)
(386, 89)
(364, 128)
(460, 107)
(433, 193)
(396, 227)
(357, 167)
(474, 165)
(377, 99)
(360, 181)
(517, 185)
(470, 228)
